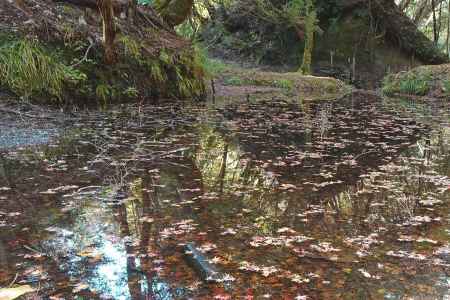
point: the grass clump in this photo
(418, 84)
(284, 84)
(446, 87)
(234, 81)
(212, 67)
(27, 69)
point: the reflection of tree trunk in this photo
(448, 30)
(133, 276)
(3, 257)
(109, 31)
(3, 174)
(223, 168)
(147, 210)
(435, 27)
(147, 242)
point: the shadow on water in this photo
(329, 200)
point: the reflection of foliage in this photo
(210, 157)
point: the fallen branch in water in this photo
(14, 280)
(34, 250)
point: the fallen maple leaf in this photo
(14, 293)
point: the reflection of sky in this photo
(111, 277)
(96, 230)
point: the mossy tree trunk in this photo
(109, 31)
(174, 12)
(401, 30)
(310, 28)
(131, 11)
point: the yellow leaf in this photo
(347, 270)
(14, 293)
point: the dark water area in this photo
(343, 199)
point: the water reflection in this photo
(329, 200)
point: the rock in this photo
(199, 262)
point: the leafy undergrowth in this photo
(433, 81)
(320, 200)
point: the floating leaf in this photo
(14, 293)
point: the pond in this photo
(344, 199)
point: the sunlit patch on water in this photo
(328, 200)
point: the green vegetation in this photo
(411, 84)
(421, 81)
(30, 70)
(211, 67)
(284, 84)
(105, 93)
(42, 73)
(446, 87)
(236, 80)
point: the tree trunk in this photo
(174, 12)
(435, 27)
(109, 31)
(309, 45)
(404, 32)
(131, 11)
(400, 29)
(448, 29)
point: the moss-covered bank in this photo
(61, 58)
(233, 81)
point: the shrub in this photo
(284, 84)
(410, 83)
(414, 86)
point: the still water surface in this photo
(326, 200)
